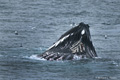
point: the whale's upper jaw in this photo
(75, 41)
(73, 35)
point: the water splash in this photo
(35, 57)
(115, 63)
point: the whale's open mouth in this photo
(76, 41)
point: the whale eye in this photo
(83, 32)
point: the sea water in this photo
(39, 23)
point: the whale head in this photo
(76, 41)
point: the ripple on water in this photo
(1, 55)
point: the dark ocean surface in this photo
(40, 23)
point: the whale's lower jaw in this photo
(56, 56)
(63, 56)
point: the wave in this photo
(1, 55)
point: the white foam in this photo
(76, 57)
(35, 57)
(73, 24)
(97, 57)
(33, 27)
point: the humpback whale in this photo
(75, 43)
